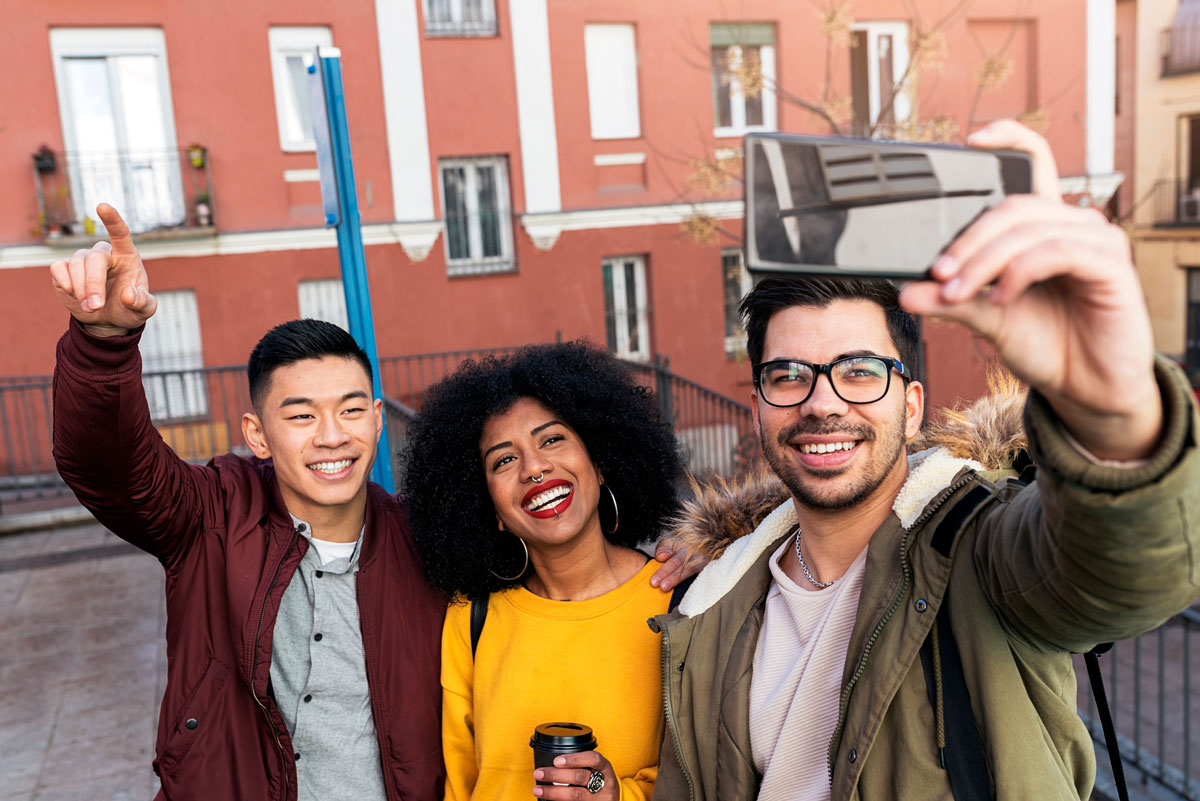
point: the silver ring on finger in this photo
(595, 782)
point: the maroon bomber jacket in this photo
(226, 541)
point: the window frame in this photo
(598, 121)
(456, 27)
(898, 30)
(737, 101)
(322, 289)
(284, 41)
(735, 344)
(613, 266)
(1191, 299)
(479, 264)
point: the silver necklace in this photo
(821, 584)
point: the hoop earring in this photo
(524, 567)
(616, 511)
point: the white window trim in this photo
(477, 264)
(456, 27)
(616, 266)
(595, 81)
(737, 101)
(103, 43)
(899, 33)
(737, 343)
(285, 41)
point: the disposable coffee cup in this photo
(550, 740)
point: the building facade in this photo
(526, 169)
(1166, 214)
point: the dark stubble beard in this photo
(805, 491)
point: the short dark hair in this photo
(776, 293)
(451, 512)
(295, 341)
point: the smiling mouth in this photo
(826, 447)
(331, 468)
(548, 500)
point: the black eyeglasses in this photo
(855, 379)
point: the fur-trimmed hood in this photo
(732, 522)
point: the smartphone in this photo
(837, 206)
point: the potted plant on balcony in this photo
(197, 155)
(44, 160)
(202, 209)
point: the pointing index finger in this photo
(118, 231)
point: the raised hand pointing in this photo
(106, 288)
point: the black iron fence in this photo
(1179, 48)
(198, 413)
(156, 190)
(1150, 691)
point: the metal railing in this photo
(1176, 203)
(460, 18)
(1149, 686)
(1179, 47)
(198, 413)
(156, 190)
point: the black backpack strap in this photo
(1092, 660)
(479, 607)
(961, 747)
(680, 590)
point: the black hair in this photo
(776, 293)
(295, 341)
(451, 512)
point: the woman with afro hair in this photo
(531, 478)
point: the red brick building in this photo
(524, 167)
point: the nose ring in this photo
(539, 478)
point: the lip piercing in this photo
(539, 478)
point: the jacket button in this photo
(318, 574)
(297, 756)
(192, 723)
(853, 757)
(921, 605)
(679, 667)
(307, 698)
(317, 636)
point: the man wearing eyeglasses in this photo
(901, 627)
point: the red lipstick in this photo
(551, 511)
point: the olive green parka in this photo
(1086, 554)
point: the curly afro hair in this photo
(452, 516)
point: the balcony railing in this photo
(1180, 48)
(159, 192)
(1176, 204)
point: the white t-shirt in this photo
(331, 551)
(796, 686)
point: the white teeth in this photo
(826, 447)
(330, 467)
(549, 497)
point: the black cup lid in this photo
(563, 735)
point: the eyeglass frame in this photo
(826, 370)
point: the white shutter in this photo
(173, 358)
(324, 300)
(611, 56)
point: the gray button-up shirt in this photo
(319, 677)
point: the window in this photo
(737, 284)
(1193, 317)
(611, 56)
(743, 78)
(478, 221)
(324, 300)
(291, 55)
(625, 313)
(172, 359)
(118, 126)
(460, 17)
(878, 63)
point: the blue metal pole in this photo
(350, 249)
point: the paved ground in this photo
(82, 667)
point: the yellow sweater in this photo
(593, 662)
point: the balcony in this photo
(1180, 48)
(161, 194)
(1176, 205)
